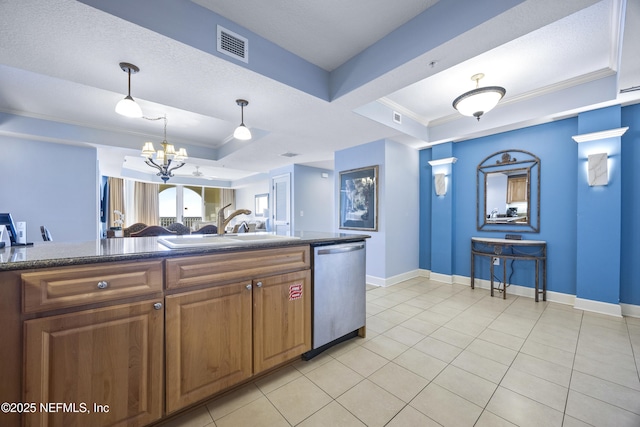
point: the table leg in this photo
(472, 269)
(537, 278)
(504, 278)
(544, 279)
(491, 273)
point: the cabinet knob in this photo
(248, 286)
(259, 284)
(102, 284)
(157, 305)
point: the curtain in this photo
(116, 201)
(228, 196)
(146, 198)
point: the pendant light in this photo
(127, 106)
(480, 100)
(167, 159)
(242, 132)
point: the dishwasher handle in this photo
(341, 249)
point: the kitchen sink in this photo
(194, 241)
(261, 237)
(205, 240)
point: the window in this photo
(190, 204)
(179, 203)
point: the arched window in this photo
(179, 203)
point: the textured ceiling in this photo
(59, 67)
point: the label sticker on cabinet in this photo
(295, 291)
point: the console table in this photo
(508, 249)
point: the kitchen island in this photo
(128, 331)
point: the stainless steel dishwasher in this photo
(339, 286)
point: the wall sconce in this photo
(598, 172)
(440, 181)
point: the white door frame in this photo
(281, 209)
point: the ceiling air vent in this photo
(232, 44)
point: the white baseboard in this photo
(444, 278)
(598, 307)
(617, 310)
(424, 273)
(390, 281)
(630, 310)
(561, 298)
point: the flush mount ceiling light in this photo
(480, 100)
(242, 132)
(127, 106)
(167, 159)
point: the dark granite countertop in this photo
(54, 254)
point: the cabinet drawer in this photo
(232, 266)
(74, 286)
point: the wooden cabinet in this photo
(65, 287)
(208, 342)
(281, 318)
(232, 266)
(220, 335)
(517, 189)
(111, 357)
(124, 343)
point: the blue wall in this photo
(630, 239)
(562, 174)
(426, 187)
(599, 212)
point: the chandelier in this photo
(480, 100)
(166, 159)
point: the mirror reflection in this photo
(507, 196)
(508, 184)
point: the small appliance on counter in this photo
(17, 234)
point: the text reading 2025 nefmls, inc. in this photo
(53, 407)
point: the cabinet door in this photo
(110, 357)
(208, 342)
(281, 318)
(517, 190)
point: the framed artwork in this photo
(359, 199)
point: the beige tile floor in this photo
(438, 354)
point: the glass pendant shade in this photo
(242, 133)
(478, 101)
(129, 108)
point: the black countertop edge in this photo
(9, 262)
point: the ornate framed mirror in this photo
(508, 192)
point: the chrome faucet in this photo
(222, 221)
